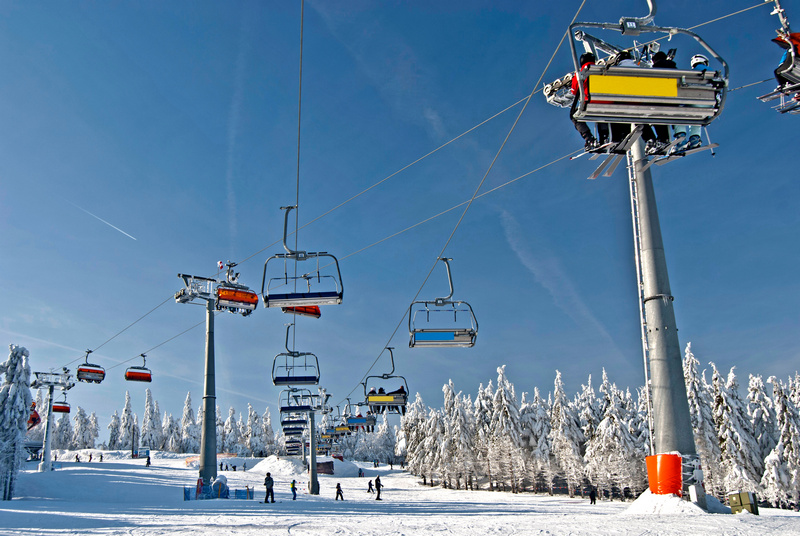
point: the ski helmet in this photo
(698, 59)
(587, 57)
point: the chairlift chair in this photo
(89, 372)
(233, 297)
(295, 400)
(33, 418)
(139, 374)
(295, 368)
(442, 322)
(62, 406)
(789, 70)
(647, 96)
(274, 290)
(378, 400)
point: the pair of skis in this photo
(615, 152)
(788, 104)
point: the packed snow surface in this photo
(122, 496)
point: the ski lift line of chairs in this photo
(295, 368)
(331, 295)
(648, 96)
(89, 372)
(378, 400)
(139, 374)
(441, 332)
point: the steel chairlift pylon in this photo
(301, 298)
(89, 372)
(446, 334)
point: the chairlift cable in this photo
(297, 181)
(751, 84)
(418, 160)
(125, 328)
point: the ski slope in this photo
(122, 496)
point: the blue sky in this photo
(145, 139)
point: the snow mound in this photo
(649, 503)
(284, 467)
(715, 506)
(340, 468)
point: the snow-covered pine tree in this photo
(126, 429)
(505, 444)
(461, 436)
(413, 427)
(432, 455)
(383, 441)
(641, 425)
(700, 396)
(151, 427)
(566, 437)
(62, 435)
(482, 412)
(136, 432)
(94, 429)
(535, 420)
(781, 480)
(220, 425)
(15, 408)
(241, 447)
(762, 416)
(588, 408)
(254, 434)
(739, 460)
(612, 456)
(171, 432)
(268, 434)
(232, 437)
(190, 432)
(82, 433)
(114, 432)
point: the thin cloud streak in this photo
(548, 273)
(102, 220)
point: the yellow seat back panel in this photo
(633, 85)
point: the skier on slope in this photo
(268, 482)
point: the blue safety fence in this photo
(199, 492)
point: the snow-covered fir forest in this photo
(748, 437)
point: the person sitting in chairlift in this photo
(583, 129)
(690, 134)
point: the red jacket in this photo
(574, 89)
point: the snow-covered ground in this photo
(122, 496)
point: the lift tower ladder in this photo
(637, 253)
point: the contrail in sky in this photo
(102, 220)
